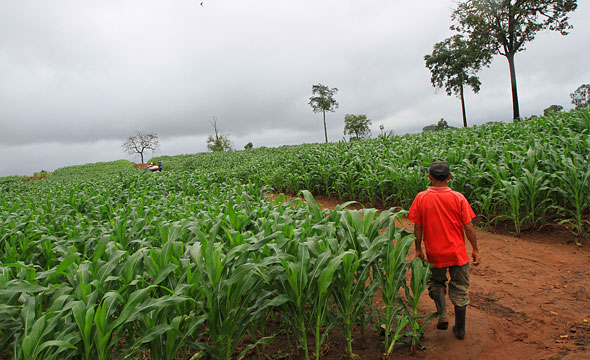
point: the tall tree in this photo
(357, 126)
(218, 141)
(453, 65)
(581, 97)
(506, 25)
(140, 142)
(322, 100)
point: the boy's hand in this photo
(420, 254)
(475, 256)
(471, 236)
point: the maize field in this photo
(181, 266)
(529, 174)
(198, 261)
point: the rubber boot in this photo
(439, 300)
(459, 327)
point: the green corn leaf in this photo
(32, 341)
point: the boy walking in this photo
(441, 218)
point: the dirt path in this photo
(530, 299)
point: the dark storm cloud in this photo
(79, 77)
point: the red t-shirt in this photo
(442, 212)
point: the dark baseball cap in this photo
(439, 170)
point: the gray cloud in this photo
(79, 77)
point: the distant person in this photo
(154, 167)
(442, 218)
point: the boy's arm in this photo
(470, 232)
(418, 242)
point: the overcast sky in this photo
(78, 77)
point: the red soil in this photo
(141, 166)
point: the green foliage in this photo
(418, 284)
(94, 170)
(12, 179)
(194, 260)
(454, 64)
(219, 143)
(551, 109)
(504, 27)
(507, 25)
(441, 125)
(248, 146)
(581, 97)
(42, 174)
(357, 126)
(392, 170)
(179, 264)
(322, 100)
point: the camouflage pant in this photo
(458, 286)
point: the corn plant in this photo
(161, 329)
(327, 260)
(418, 284)
(485, 206)
(512, 193)
(391, 273)
(294, 288)
(349, 296)
(354, 291)
(535, 186)
(575, 181)
(47, 335)
(231, 293)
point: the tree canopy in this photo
(140, 142)
(453, 65)
(581, 97)
(218, 141)
(357, 126)
(505, 26)
(552, 109)
(441, 125)
(322, 100)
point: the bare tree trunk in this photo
(463, 107)
(325, 131)
(141, 154)
(515, 108)
(215, 128)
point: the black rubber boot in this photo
(439, 300)
(459, 327)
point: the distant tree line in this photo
(485, 28)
